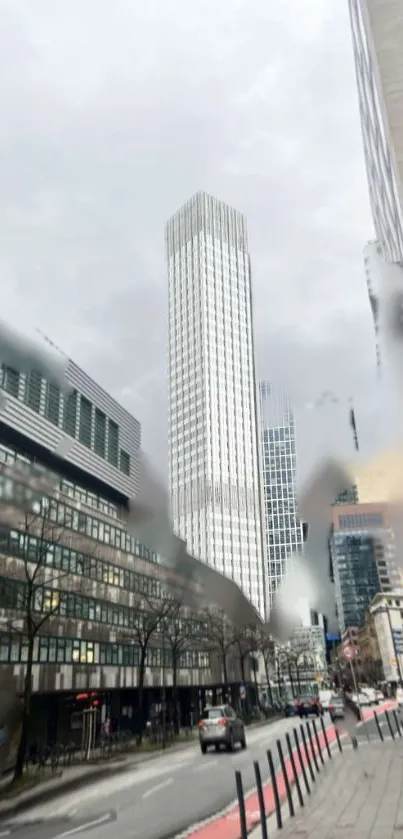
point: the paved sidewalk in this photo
(359, 795)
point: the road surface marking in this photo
(5, 832)
(204, 766)
(84, 826)
(157, 787)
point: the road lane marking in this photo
(84, 826)
(205, 766)
(5, 832)
(157, 788)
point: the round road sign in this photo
(348, 652)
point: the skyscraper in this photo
(284, 532)
(213, 447)
(377, 29)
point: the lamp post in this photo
(163, 688)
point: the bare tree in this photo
(181, 632)
(221, 636)
(34, 597)
(153, 613)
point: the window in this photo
(70, 413)
(113, 443)
(11, 381)
(85, 422)
(33, 391)
(124, 462)
(100, 433)
(52, 404)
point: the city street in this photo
(159, 800)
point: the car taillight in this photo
(331, 707)
(222, 721)
(202, 724)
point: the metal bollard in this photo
(317, 741)
(294, 770)
(300, 758)
(315, 760)
(392, 733)
(260, 797)
(380, 732)
(241, 803)
(307, 755)
(286, 779)
(397, 723)
(325, 736)
(338, 739)
(275, 790)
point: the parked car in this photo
(306, 705)
(325, 697)
(336, 707)
(290, 708)
(361, 699)
(370, 692)
(221, 726)
(380, 696)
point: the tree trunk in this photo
(225, 669)
(175, 692)
(26, 707)
(140, 688)
(291, 680)
(298, 679)
(268, 681)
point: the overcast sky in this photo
(113, 114)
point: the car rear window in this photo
(306, 699)
(336, 699)
(212, 714)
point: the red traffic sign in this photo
(349, 652)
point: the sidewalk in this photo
(359, 795)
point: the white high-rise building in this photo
(279, 462)
(213, 440)
(377, 28)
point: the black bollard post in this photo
(317, 742)
(260, 797)
(241, 803)
(301, 761)
(307, 755)
(380, 732)
(325, 736)
(338, 739)
(315, 759)
(397, 723)
(294, 771)
(286, 779)
(392, 733)
(275, 790)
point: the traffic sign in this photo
(348, 651)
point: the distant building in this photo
(387, 612)
(284, 530)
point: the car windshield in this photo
(212, 714)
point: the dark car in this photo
(290, 708)
(306, 705)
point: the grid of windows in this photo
(56, 650)
(70, 604)
(350, 522)
(94, 430)
(284, 533)
(356, 576)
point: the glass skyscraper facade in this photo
(377, 30)
(283, 528)
(213, 435)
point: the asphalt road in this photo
(158, 800)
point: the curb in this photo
(44, 792)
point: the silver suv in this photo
(221, 726)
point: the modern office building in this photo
(284, 531)
(363, 560)
(213, 437)
(64, 531)
(377, 30)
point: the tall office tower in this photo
(213, 448)
(284, 531)
(377, 29)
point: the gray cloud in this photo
(112, 116)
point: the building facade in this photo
(67, 555)
(213, 440)
(363, 557)
(387, 613)
(284, 531)
(377, 30)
